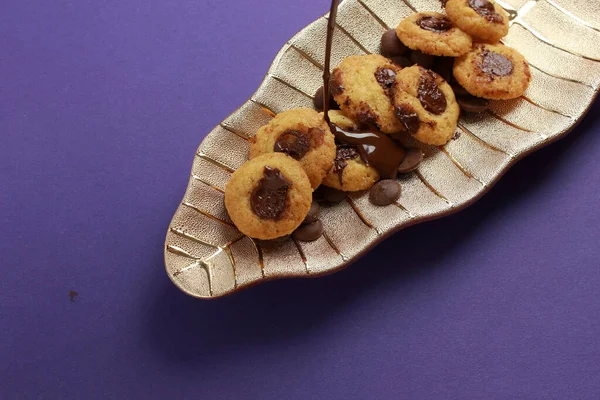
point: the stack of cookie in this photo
(434, 66)
(470, 33)
(270, 196)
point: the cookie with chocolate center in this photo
(361, 85)
(484, 20)
(269, 196)
(302, 134)
(433, 33)
(493, 71)
(426, 105)
(350, 173)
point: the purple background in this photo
(102, 105)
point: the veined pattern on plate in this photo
(206, 256)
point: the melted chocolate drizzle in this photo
(375, 148)
(327, 66)
(269, 198)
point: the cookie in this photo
(426, 105)
(342, 120)
(433, 33)
(268, 196)
(302, 134)
(349, 173)
(360, 85)
(493, 71)
(484, 20)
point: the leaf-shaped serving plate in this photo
(206, 256)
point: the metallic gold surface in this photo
(207, 257)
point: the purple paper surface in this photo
(102, 105)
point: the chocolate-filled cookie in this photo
(493, 71)
(302, 134)
(484, 20)
(349, 173)
(361, 85)
(433, 33)
(268, 196)
(426, 105)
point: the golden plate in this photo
(207, 257)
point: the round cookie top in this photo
(426, 105)
(484, 20)
(268, 196)
(361, 86)
(433, 33)
(349, 173)
(303, 134)
(493, 71)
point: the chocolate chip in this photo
(386, 77)
(431, 97)
(434, 23)
(309, 232)
(269, 198)
(313, 213)
(459, 90)
(390, 44)
(293, 143)
(408, 117)
(384, 192)
(329, 195)
(422, 59)
(486, 9)
(411, 161)
(319, 103)
(318, 100)
(495, 64)
(401, 61)
(472, 104)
